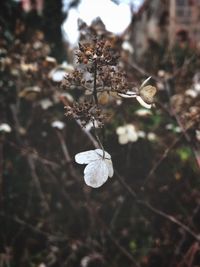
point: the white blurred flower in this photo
(197, 87)
(177, 129)
(99, 166)
(197, 135)
(58, 124)
(4, 127)
(128, 47)
(46, 103)
(143, 112)
(58, 73)
(192, 93)
(141, 134)
(58, 96)
(169, 126)
(127, 134)
(151, 136)
(161, 73)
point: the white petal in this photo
(110, 167)
(144, 104)
(145, 82)
(128, 94)
(87, 157)
(96, 173)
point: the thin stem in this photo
(98, 139)
(95, 83)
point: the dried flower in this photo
(86, 112)
(145, 94)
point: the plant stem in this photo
(95, 82)
(98, 139)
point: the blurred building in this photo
(184, 16)
(165, 22)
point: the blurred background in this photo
(148, 214)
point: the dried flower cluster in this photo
(85, 112)
(98, 74)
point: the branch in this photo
(95, 83)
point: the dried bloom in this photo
(99, 166)
(101, 51)
(86, 112)
(127, 134)
(145, 94)
(73, 80)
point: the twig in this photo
(66, 154)
(184, 131)
(1, 170)
(95, 83)
(161, 159)
(153, 209)
(121, 249)
(19, 221)
(37, 182)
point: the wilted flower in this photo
(99, 166)
(4, 127)
(145, 94)
(127, 134)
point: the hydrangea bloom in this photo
(99, 166)
(127, 134)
